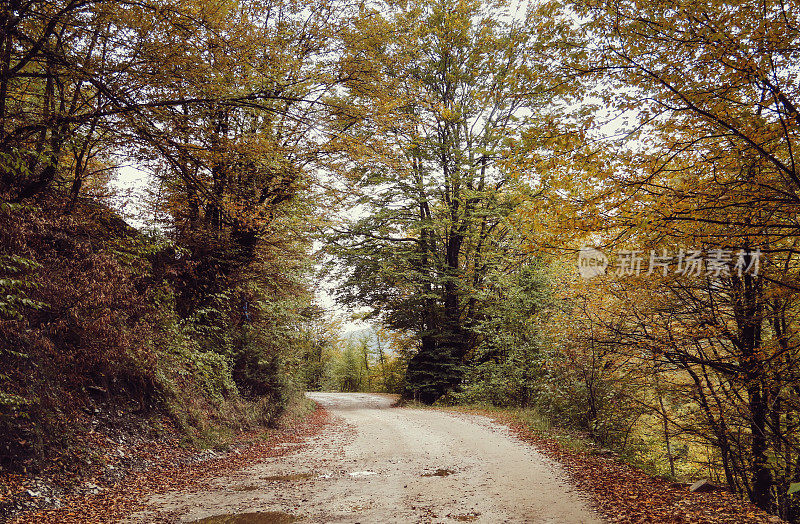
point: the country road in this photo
(378, 464)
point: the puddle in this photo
(439, 473)
(362, 473)
(289, 477)
(246, 487)
(266, 517)
(468, 517)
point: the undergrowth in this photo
(96, 331)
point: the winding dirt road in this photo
(384, 465)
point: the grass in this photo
(296, 409)
(543, 426)
(219, 430)
(529, 417)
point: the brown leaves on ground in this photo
(172, 468)
(625, 494)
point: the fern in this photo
(15, 286)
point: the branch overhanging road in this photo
(380, 464)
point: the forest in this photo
(586, 209)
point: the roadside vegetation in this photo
(193, 325)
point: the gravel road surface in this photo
(379, 464)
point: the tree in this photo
(231, 157)
(450, 97)
(506, 366)
(706, 97)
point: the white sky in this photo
(131, 185)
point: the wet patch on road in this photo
(290, 477)
(467, 517)
(266, 517)
(248, 487)
(438, 473)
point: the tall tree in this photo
(453, 88)
(254, 78)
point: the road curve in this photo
(387, 465)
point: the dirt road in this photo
(384, 465)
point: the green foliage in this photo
(349, 372)
(15, 287)
(436, 190)
(432, 371)
(521, 362)
(185, 365)
(586, 397)
(16, 277)
(506, 368)
(260, 372)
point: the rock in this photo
(705, 485)
(603, 452)
(90, 488)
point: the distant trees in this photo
(369, 362)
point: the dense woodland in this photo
(442, 164)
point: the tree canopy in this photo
(446, 162)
